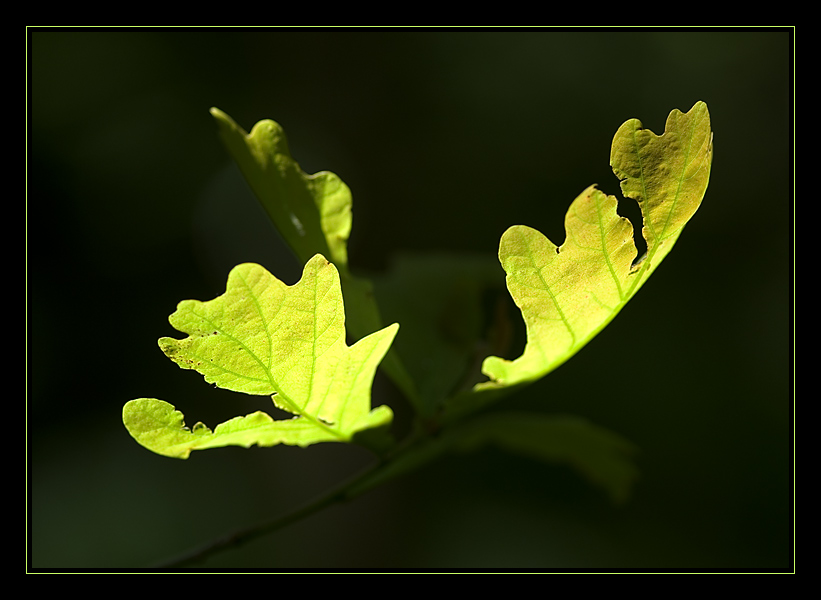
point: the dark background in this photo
(446, 138)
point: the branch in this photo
(342, 493)
(409, 456)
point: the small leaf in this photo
(313, 215)
(601, 456)
(312, 212)
(568, 294)
(264, 337)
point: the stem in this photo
(411, 456)
(242, 536)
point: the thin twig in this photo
(339, 494)
(415, 450)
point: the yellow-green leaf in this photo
(568, 293)
(263, 337)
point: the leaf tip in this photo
(319, 259)
(224, 121)
(169, 346)
(156, 425)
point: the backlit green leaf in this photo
(568, 294)
(312, 212)
(263, 337)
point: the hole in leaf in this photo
(629, 209)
